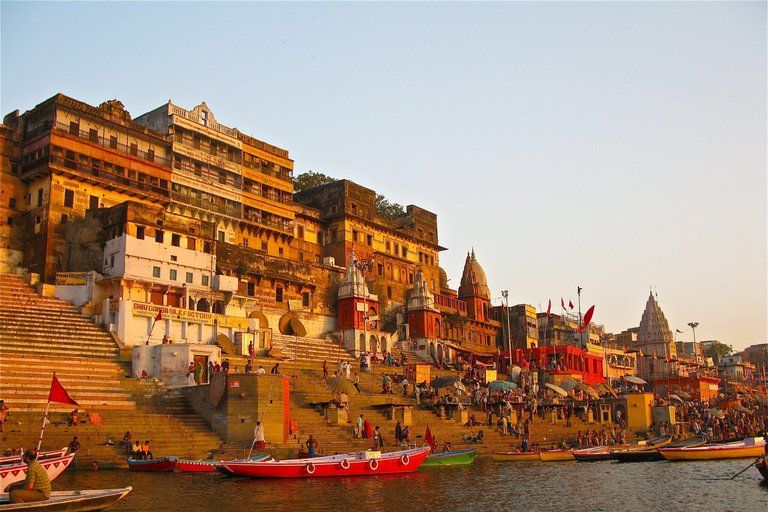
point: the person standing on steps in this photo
(359, 429)
(74, 445)
(312, 446)
(325, 370)
(259, 442)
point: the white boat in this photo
(15, 459)
(70, 501)
(18, 472)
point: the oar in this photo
(746, 468)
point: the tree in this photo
(719, 350)
(387, 210)
(309, 179)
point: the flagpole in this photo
(45, 416)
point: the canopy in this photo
(341, 385)
(591, 392)
(442, 382)
(602, 387)
(569, 384)
(634, 380)
(557, 389)
(502, 385)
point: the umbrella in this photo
(675, 398)
(459, 385)
(591, 392)
(605, 389)
(580, 386)
(717, 413)
(341, 385)
(740, 408)
(569, 384)
(442, 382)
(634, 380)
(557, 389)
(514, 373)
(683, 394)
(502, 385)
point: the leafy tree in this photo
(719, 350)
(309, 179)
(387, 210)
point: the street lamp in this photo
(505, 294)
(693, 325)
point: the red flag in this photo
(429, 440)
(654, 355)
(59, 394)
(669, 359)
(549, 308)
(562, 303)
(159, 316)
(678, 330)
(587, 318)
(625, 350)
(641, 353)
(570, 304)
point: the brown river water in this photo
(701, 486)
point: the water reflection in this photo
(485, 486)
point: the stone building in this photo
(655, 340)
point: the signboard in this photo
(188, 315)
(71, 278)
(234, 384)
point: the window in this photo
(222, 237)
(12, 202)
(134, 149)
(176, 240)
(74, 128)
(334, 234)
(278, 294)
(280, 251)
(251, 288)
(159, 236)
(40, 197)
(155, 271)
(69, 198)
(191, 243)
(189, 277)
(380, 269)
(305, 299)
(300, 232)
(204, 280)
(64, 218)
(172, 275)
(174, 258)
(140, 232)
(389, 292)
(264, 245)
(112, 261)
(113, 142)
(93, 135)
(10, 221)
(94, 202)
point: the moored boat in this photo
(205, 466)
(762, 466)
(515, 456)
(161, 464)
(750, 447)
(358, 464)
(593, 454)
(556, 455)
(451, 458)
(15, 459)
(16, 473)
(70, 501)
(644, 455)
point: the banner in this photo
(71, 278)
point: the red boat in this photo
(203, 466)
(161, 464)
(349, 464)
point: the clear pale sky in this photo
(616, 146)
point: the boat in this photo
(358, 464)
(515, 456)
(556, 455)
(161, 464)
(15, 459)
(70, 501)
(455, 458)
(750, 447)
(762, 466)
(203, 466)
(16, 473)
(593, 454)
(652, 454)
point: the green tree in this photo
(309, 179)
(719, 350)
(387, 210)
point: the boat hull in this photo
(405, 461)
(207, 466)
(161, 464)
(53, 467)
(637, 455)
(451, 458)
(715, 452)
(515, 456)
(71, 501)
(16, 459)
(592, 454)
(556, 455)
(762, 467)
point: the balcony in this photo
(61, 162)
(449, 302)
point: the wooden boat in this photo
(161, 464)
(206, 466)
(70, 501)
(593, 454)
(15, 459)
(515, 456)
(762, 467)
(750, 447)
(358, 464)
(642, 455)
(18, 472)
(556, 455)
(451, 458)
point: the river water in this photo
(483, 487)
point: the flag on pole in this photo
(58, 394)
(587, 319)
(641, 353)
(570, 304)
(429, 440)
(669, 359)
(625, 349)
(549, 308)
(678, 330)
(654, 355)
(159, 316)
(562, 303)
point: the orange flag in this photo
(429, 440)
(58, 394)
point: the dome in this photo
(473, 281)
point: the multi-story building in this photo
(13, 197)
(519, 326)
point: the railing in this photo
(449, 302)
(122, 148)
(101, 173)
(207, 149)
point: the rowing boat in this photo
(70, 501)
(357, 464)
(762, 467)
(750, 447)
(16, 473)
(204, 466)
(451, 458)
(161, 464)
(556, 455)
(15, 459)
(515, 456)
(593, 454)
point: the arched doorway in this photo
(203, 305)
(374, 343)
(384, 343)
(362, 343)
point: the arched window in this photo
(362, 343)
(203, 305)
(384, 343)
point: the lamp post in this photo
(693, 325)
(505, 294)
(363, 265)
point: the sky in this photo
(619, 147)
